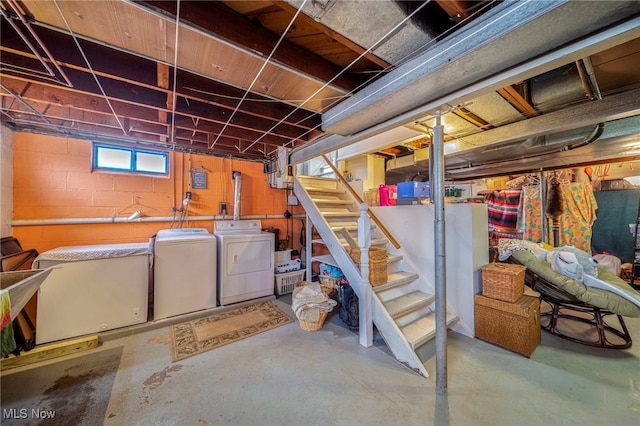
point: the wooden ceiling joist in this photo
(145, 74)
(220, 21)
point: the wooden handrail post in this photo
(365, 321)
(375, 219)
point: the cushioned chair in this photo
(14, 257)
(570, 300)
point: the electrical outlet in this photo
(223, 207)
(136, 314)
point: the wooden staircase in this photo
(403, 314)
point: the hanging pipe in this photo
(237, 177)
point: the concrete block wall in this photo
(53, 179)
(6, 181)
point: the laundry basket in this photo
(314, 326)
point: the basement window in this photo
(116, 158)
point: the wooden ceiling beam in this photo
(27, 122)
(128, 68)
(512, 95)
(354, 47)
(65, 104)
(88, 94)
(219, 20)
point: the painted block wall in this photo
(6, 181)
(52, 179)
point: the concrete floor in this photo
(287, 376)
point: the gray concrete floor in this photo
(287, 376)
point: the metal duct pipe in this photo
(237, 177)
(566, 138)
(556, 88)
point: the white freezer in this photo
(184, 272)
(91, 289)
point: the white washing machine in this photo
(245, 260)
(184, 272)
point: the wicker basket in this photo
(503, 281)
(314, 326)
(328, 283)
(377, 264)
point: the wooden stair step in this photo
(374, 242)
(325, 191)
(393, 258)
(330, 215)
(422, 330)
(407, 303)
(395, 279)
(350, 226)
(332, 201)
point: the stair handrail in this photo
(377, 221)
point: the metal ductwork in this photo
(354, 18)
(557, 88)
(560, 150)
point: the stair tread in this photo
(374, 242)
(423, 329)
(325, 258)
(395, 279)
(324, 190)
(407, 303)
(337, 202)
(351, 226)
(340, 214)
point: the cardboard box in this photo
(514, 326)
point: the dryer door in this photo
(247, 256)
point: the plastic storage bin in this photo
(413, 190)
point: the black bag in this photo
(348, 305)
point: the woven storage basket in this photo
(503, 281)
(514, 326)
(314, 326)
(328, 283)
(377, 264)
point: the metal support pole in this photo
(308, 247)
(440, 267)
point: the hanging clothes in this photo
(529, 217)
(576, 221)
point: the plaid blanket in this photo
(502, 207)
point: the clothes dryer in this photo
(245, 260)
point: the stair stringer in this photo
(385, 324)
